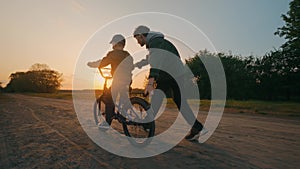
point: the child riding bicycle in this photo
(121, 69)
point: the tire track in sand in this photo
(4, 161)
(101, 163)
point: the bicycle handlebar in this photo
(106, 74)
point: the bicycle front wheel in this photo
(138, 131)
(99, 109)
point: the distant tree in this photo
(40, 78)
(201, 76)
(291, 30)
(240, 77)
(1, 88)
(268, 75)
(240, 80)
(287, 59)
(38, 67)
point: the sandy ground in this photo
(45, 133)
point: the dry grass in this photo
(232, 106)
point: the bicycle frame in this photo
(107, 75)
(138, 132)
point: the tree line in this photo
(39, 79)
(266, 78)
(274, 76)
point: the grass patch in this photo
(66, 95)
(265, 107)
(285, 108)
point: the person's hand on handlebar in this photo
(142, 63)
(150, 86)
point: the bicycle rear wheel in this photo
(138, 132)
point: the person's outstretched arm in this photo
(142, 63)
(94, 64)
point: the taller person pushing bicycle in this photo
(163, 56)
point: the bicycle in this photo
(138, 133)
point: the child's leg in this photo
(109, 107)
(109, 112)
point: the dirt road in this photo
(45, 133)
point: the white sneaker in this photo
(203, 132)
(193, 135)
(103, 125)
(196, 134)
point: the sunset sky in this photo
(55, 32)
